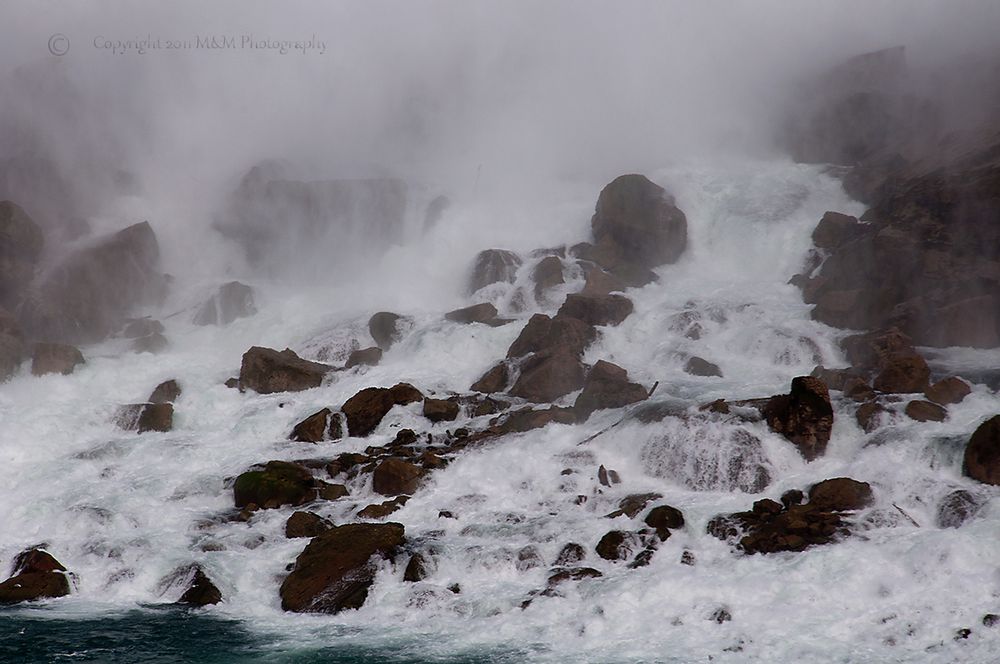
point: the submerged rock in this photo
(958, 507)
(232, 301)
(804, 416)
(55, 358)
(982, 454)
(338, 567)
(13, 349)
(266, 371)
(697, 366)
(37, 575)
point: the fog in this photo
(489, 101)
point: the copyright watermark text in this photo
(59, 44)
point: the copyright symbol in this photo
(58, 44)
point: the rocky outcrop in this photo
(549, 375)
(266, 371)
(87, 296)
(607, 386)
(21, 243)
(544, 333)
(275, 484)
(493, 266)
(55, 358)
(366, 409)
(596, 309)
(337, 568)
(37, 575)
(803, 416)
(982, 454)
(890, 356)
(232, 301)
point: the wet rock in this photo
(87, 296)
(143, 417)
(600, 282)
(607, 477)
(982, 454)
(721, 615)
(616, 545)
(545, 333)
(835, 379)
(948, 391)
(841, 494)
(37, 575)
(366, 357)
(417, 569)
(55, 358)
(528, 558)
(958, 507)
(891, 356)
(327, 491)
(396, 476)
(570, 554)
(697, 366)
(337, 568)
(494, 380)
(201, 591)
(440, 410)
(278, 483)
(477, 313)
(546, 274)
(365, 410)
(596, 309)
(834, 229)
(925, 411)
(804, 416)
(493, 266)
(385, 328)
(687, 558)
(232, 301)
(548, 375)
(313, 429)
(21, 243)
(13, 349)
(306, 524)
(858, 389)
(792, 497)
(559, 576)
(869, 415)
(381, 510)
(663, 519)
(526, 419)
(607, 386)
(142, 327)
(991, 620)
(632, 504)
(637, 222)
(266, 371)
(166, 392)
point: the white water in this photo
(122, 510)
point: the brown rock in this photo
(634, 503)
(548, 375)
(697, 366)
(957, 507)
(596, 309)
(368, 357)
(55, 358)
(804, 416)
(21, 243)
(440, 410)
(948, 391)
(385, 329)
(338, 567)
(925, 411)
(37, 575)
(143, 417)
(366, 409)
(267, 371)
(834, 229)
(275, 484)
(547, 273)
(982, 454)
(378, 511)
(494, 380)
(663, 519)
(306, 524)
(869, 415)
(201, 591)
(233, 300)
(417, 569)
(639, 221)
(616, 545)
(544, 333)
(607, 386)
(570, 554)
(317, 427)
(477, 313)
(166, 392)
(841, 494)
(600, 282)
(396, 476)
(527, 419)
(493, 266)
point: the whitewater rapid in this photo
(123, 510)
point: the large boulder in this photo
(55, 358)
(495, 379)
(803, 416)
(545, 333)
(548, 375)
(596, 309)
(87, 296)
(607, 386)
(366, 409)
(36, 575)
(982, 454)
(393, 477)
(337, 568)
(385, 328)
(306, 524)
(637, 222)
(233, 300)
(166, 392)
(948, 391)
(21, 243)
(841, 494)
(143, 417)
(265, 371)
(364, 357)
(440, 410)
(547, 274)
(275, 484)
(890, 355)
(477, 313)
(493, 266)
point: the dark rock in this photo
(477, 313)
(395, 476)
(891, 356)
(306, 524)
(233, 300)
(440, 410)
(86, 297)
(143, 417)
(792, 497)
(13, 349)
(804, 416)
(957, 507)
(232, 383)
(841, 494)
(381, 510)
(494, 380)
(547, 273)
(948, 391)
(166, 392)
(37, 575)
(493, 266)
(607, 386)
(338, 567)
(607, 477)
(416, 569)
(21, 243)
(634, 503)
(834, 229)
(201, 591)
(835, 379)
(527, 419)
(697, 366)
(327, 491)
(663, 519)
(571, 553)
(858, 389)
(367, 357)
(548, 375)
(925, 411)
(366, 409)
(687, 558)
(596, 309)
(869, 415)
(385, 329)
(544, 333)
(314, 428)
(142, 327)
(721, 615)
(55, 358)
(616, 545)
(267, 371)
(572, 574)
(600, 282)
(151, 343)
(637, 222)
(982, 454)
(278, 483)
(991, 620)
(528, 558)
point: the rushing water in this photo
(123, 510)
